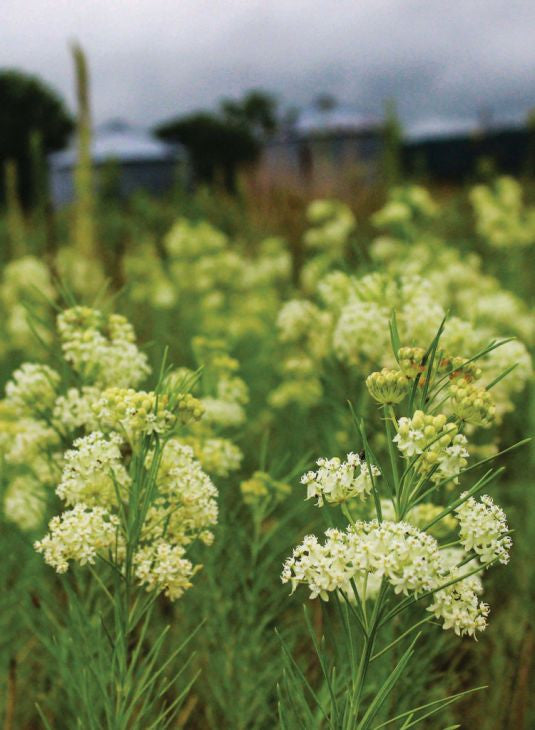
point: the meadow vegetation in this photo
(266, 461)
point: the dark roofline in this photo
(326, 135)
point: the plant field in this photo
(265, 462)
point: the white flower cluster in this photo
(94, 473)
(361, 333)
(337, 481)
(96, 484)
(25, 502)
(79, 534)
(31, 444)
(76, 409)
(301, 321)
(101, 348)
(483, 529)
(25, 280)
(459, 607)
(223, 413)
(409, 559)
(162, 566)
(406, 206)
(136, 412)
(333, 223)
(33, 387)
(186, 507)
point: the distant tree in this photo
(218, 146)
(257, 111)
(325, 102)
(530, 156)
(28, 106)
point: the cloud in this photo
(152, 59)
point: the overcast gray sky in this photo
(443, 60)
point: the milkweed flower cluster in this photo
(130, 464)
(25, 501)
(33, 386)
(101, 348)
(79, 534)
(472, 404)
(333, 222)
(98, 483)
(398, 548)
(94, 473)
(406, 209)
(337, 481)
(483, 529)
(407, 558)
(222, 289)
(25, 281)
(332, 225)
(135, 413)
(501, 217)
(222, 398)
(388, 386)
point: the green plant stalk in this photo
(393, 460)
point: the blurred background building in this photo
(326, 141)
(124, 157)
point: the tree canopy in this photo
(220, 142)
(29, 106)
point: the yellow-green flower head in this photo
(217, 456)
(188, 408)
(262, 485)
(411, 360)
(135, 413)
(472, 404)
(388, 386)
(437, 443)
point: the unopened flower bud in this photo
(472, 404)
(411, 360)
(388, 386)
